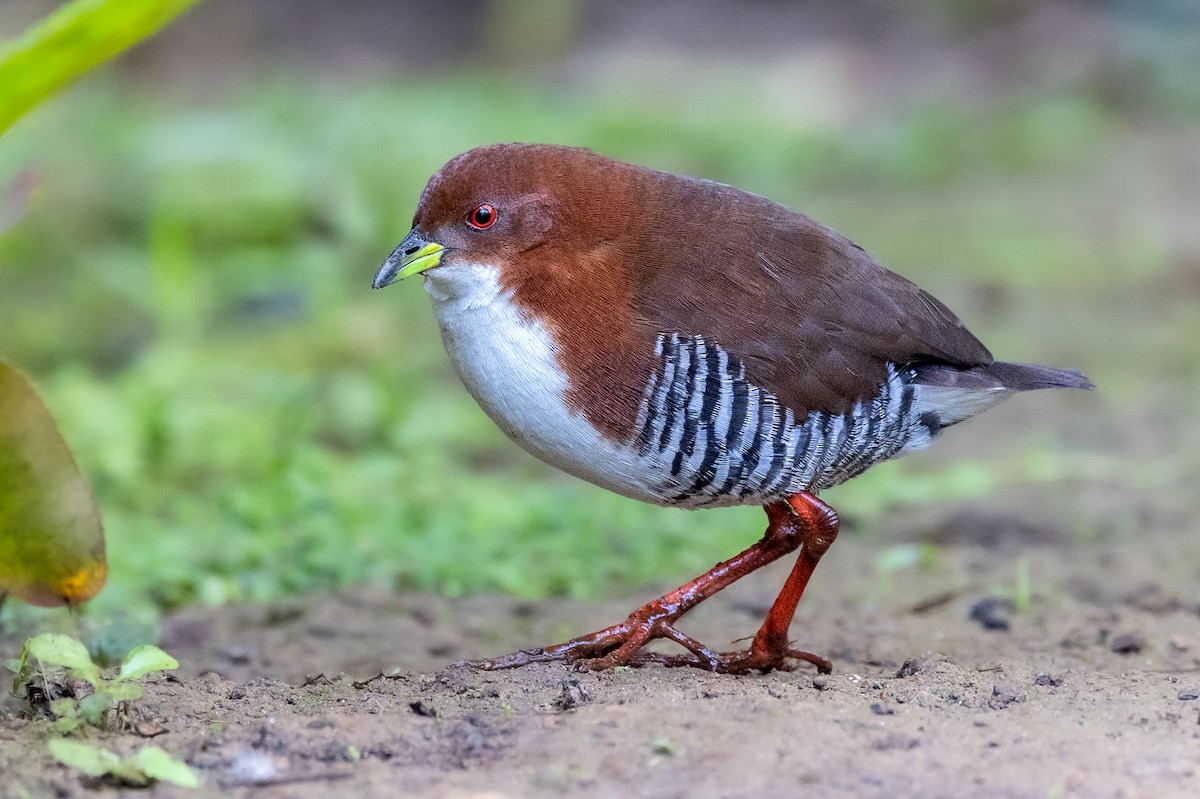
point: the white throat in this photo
(508, 362)
(459, 284)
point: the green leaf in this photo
(65, 707)
(65, 651)
(144, 659)
(124, 691)
(67, 712)
(156, 763)
(149, 763)
(51, 540)
(91, 760)
(69, 42)
(93, 707)
(66, 724)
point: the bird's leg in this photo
(770, 649)
(803, 521)
(817, 528)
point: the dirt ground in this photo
(938, 689)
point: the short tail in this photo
(1001, 375)
(946, 395)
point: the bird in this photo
(687, 344)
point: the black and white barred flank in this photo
(717, 439)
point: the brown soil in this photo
(1089, 692)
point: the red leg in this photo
(819, 527)
(803, 521)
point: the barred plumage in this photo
(714, 438)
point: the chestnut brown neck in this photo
(587, 306)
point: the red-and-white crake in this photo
(684, 343)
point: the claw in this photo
(698, 657)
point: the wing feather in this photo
(812, 316)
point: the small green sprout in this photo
(145, 766)
(51, 662)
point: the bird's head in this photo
(527, 210)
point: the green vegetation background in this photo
(189, 285)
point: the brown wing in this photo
(812, 316)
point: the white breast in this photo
(508, 363)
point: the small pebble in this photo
(914, 666)
(1049, 680)
(572, 695)
(251, 766)
(422, 708)
(1182, 643)
(821, 682)
(1188, 696)
(992, 613)
(238, 655)
(1004, 694)
(1128, 643)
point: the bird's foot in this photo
(740, 662)
(803, 521)
(621, 645)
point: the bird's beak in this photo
(414, 255)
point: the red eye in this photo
(483, 217)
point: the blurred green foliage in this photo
(190, 284)
(69, 42)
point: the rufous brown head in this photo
(498, 204)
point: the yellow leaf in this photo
(51, 539)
